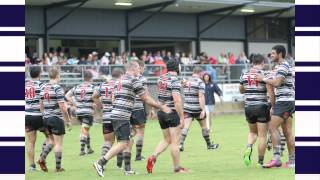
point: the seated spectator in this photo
(113, 58)
(185, 60)
(82, 61)
(105, 59)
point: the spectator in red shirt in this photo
(232, 59)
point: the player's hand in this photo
(165, 109)
(202, 114)
(69, 125)
(259, 77)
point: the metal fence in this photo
(73, 74)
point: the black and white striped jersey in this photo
(138, 103)
(286, 91)
(32, 97)
(52, 95)
(82, 94)
(105, 91)
(191, 89)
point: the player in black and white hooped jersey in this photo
(194, 108)
(124, 94)
(55, 116)
(81, 97)
(284, 107)
(33, 114)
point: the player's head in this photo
(141, 66)
(278, 52)
(257, 60)
(54, 74)
(173, 66)
(87, 76)
(132, 67)
(206, 78)
(117, 73)
(35, 72)
(197, 70)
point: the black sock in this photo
(127, 161)
(88, 143)
(102, 161)
(139, 145)
(261, 158)
(119, 159)
(33, 165)
(82, 143)
(43, 146)
(58, 156)
(184, 133)
(283, 142)
(205, 134)
(46, 151)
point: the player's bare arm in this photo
(179, 107)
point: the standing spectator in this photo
(46, 60)
(167, 57)
(242, 59)
(210, 88)
(95, 59)
(62, 59)
(134, 57)
(232, 59)
(163, 54)
(213, 60)
(144, 57)
(82, 61)
(150, 58)
(89, 59)
(105, 59)
(27, 60)
(113, 58)
(177, 57)
(158, 56)
(185, 60)
(124, 57)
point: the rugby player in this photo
(284, 107)
(82, 94)
(124, 94)
(257, 110)
(33, 115)
(169, 93)
(55, 116)
(194, 108)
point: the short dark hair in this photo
(280, 49)
(172, 65)
(35, 71)
(257, 59)
(197, 70)
(117, 72)
(87, 75)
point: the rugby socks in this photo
(58, 156)
(292, 158)
(205, 134)
(88, 142)
(127, 161)
(43, 147)
(46, 151)
(119, 159)
(276, 152)
(83, 142)
(105, 148)
(249, 145)
(102, 161)
(261, 159)
(282, 143)
(139, 145)
(184, 133)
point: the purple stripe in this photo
(307, 15)
(8, 63)
(12, 160)
(307, 33)
(307, 63)
(307, 86)
(12, 85)
(307, 160)
(12, 108)
(307, 139)
(12, 16)
(307, 108)
(12, 33)
(11, 139)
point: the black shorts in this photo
(54, 125)
(87, 119)
(284, 109)
(107, 128)
(138, 117)
(259, 113)
(168, 120)
(194, 116)
(33, 123)
(122, 129)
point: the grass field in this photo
(230, 131)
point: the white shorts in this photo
(210, 108)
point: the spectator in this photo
(134, 57)
(89, 59)
(113, 58)
(232, 59)
(167, 57)
(46, 60)
(124, 57)
(222, 59)
(62, 60)
(144, 57)
(82, 61)
(151, 60)
(158, 56)
(185, 60)
(27, 60)
(160, 71)
(163, 54)
(105, 59)
(213, 60)
(242, 59)
(95, 59)
(210, 88)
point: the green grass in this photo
(226, 163)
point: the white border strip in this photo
(12, 123)
(307, 48)
(12, 48)
(12, 103)
(12, 69)
(307, 69)
(307, 143)
(12, 2)
(12, 28)
(307, 28)
(12, 177)
(307, 176)
(12, 144)
(307, 103)
(307, 123)
(307, 2)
